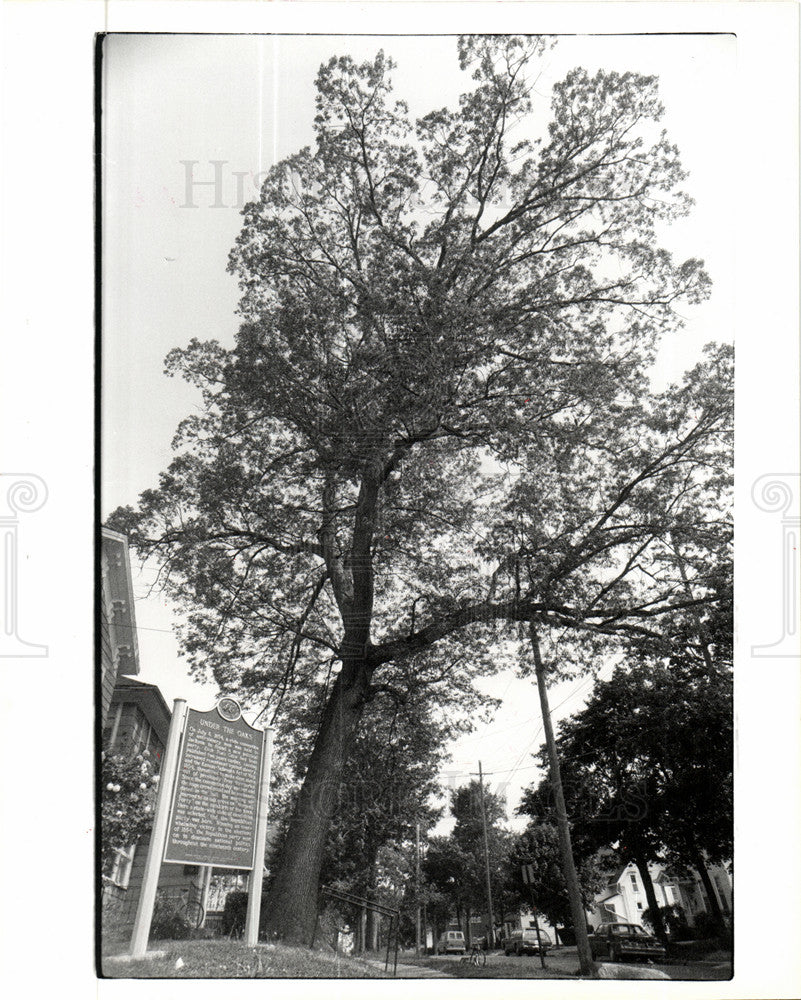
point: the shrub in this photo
(128, 795)
(674, 920)
(234, 913)
(707, 928)
(169, 922)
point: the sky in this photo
(173, 105)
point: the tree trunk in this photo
(292, 903)
(586, 964)
(361, 936)
(373, 929)
(656, 915)
(717, 913)
(371, 921)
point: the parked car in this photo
(524, 942)
(619, 941)
(451, 941)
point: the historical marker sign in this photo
(213, 817)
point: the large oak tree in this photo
(442, 321)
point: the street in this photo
(562, 964)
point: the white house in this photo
(624, 898)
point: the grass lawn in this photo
(495, 970)
(233, 960)
(221, 959)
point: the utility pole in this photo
(417, 888)
(491, 929)
(586, 962)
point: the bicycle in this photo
(478, 956)
(192, 910)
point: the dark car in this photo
(524, 942)
(619, 941)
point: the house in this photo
(624, 899)
(119, 651)
(138, 721)
(134, 718)
(693, 896)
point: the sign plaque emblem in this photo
(229, 709)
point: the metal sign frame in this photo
(216, 719)
(161, 822)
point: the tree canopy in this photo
(386, 789)
(538, 847)
(647, 768)
(455, 866)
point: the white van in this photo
(451, 941)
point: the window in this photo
(112, 726)
(123, 862)
(143, 741)
(724, 903)
(634, 885)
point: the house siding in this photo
(118, 651)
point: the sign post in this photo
(147, 897)
(537, 929)
(528, 879)
(254, 886)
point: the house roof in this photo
(148, 699)
(616, 874)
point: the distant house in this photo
(523, 919)
(624, 898)
(694, 900)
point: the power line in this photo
(139, 628)
(530, 767)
